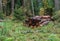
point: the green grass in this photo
(12, 31)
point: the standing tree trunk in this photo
(39, 3)
(0, 5)
(4, 3)
(32, 7)
(12, 7)
(57, 5)
(27, 8)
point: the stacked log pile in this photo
(37, 21)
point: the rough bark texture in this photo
(12, 6)
(56, 4)
(32, 7)
(0, 5)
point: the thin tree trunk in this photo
(39, 2)
(12, 7)
(57, 5)
(0, 5)
(32, 7)
(28, 8)
(24, 3)
(4, 6)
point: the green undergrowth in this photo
(15, 31)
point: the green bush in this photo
(19, 15)
(3, 38)
(1, 15)
(53, 37)
(56, 16)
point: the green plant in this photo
(56, 16)
(19, 15)
(53, 37)
(1, 15)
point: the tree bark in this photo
(32, 7)
(0, 5)
(4, 3)
(12, 7)
(57, 5)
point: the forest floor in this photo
(15, 31)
